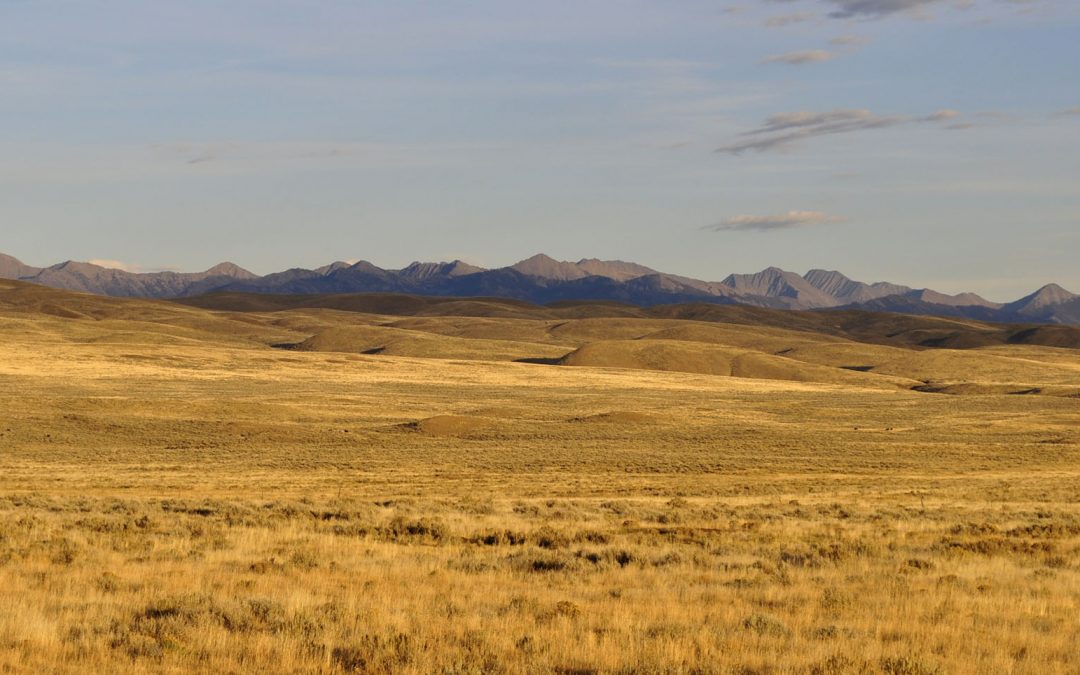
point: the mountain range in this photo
(541, 279)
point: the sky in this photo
(934, 143)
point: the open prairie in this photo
(467, 486)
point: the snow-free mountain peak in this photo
(13, 268)
(542, 279)
(228, 269)
(847, 290)
(420, 271)
(789, 287)
(546, 267)
(614, 269)
(1050, 294)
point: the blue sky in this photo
(927, 142)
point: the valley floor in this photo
(185, 505)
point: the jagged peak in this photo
(1054, 289)
(425, 270)
(364, 265)
(539, 257)
(75, 265)
(460, 268)
(332, 267)
(1050, 294)
(767, 273)
(620, 270)
(826, 274)
(544, 266)
(586, 261)
(959, 300)
(228, 269)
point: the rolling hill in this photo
(842, 348)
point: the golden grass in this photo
(176, 496)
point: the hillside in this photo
(859, 349)
(858, 325)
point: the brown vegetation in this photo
(176, 496)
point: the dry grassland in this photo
(177, 496)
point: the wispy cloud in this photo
(1069, 112)
(800, 58)
(942, 115)
(115, 265)
(128, 267)
(849, 41)
(785, 129)
(870, 9)
(783, 221)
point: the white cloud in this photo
(117, 265)
(848, 9)
(942, 115)
(133, 268)
(785, 129)
(800, 58)
(849, 41)
(783, 221)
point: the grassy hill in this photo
(344, 485)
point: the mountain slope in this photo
(13, 268)
(426, 271)
(909, 304)
(848, 291)
(960, 300)
(614, 269)
(546, 267)
(542, 279)
(90, 278)
(1050, 304)
(788, 287)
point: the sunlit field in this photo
(176, 495)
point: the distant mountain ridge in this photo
(12, 268)
(849, 291)
(542, 279)
(793, 290)
(90, 278)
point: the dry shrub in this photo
(908, 665)
(766, 625)
(108, 582)
(403, 530)
(841, 664)
(304, 559)
(375, 653)
(829, 553)
(991, 546)
(498, 538)
(64, 551)
(549, 538)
